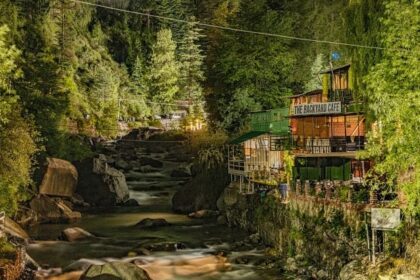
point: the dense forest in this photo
(69, 69)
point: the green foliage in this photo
(191, 64)
(17, 150)
(8, 72)
(7, 250)
(316, 80)
(210, 146)
(248, 72)
(16, 134)
(164, 70)
(394, 93)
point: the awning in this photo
(246, 136)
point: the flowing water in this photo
(196, 242)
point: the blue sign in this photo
(335, 56)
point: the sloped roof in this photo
(246, 136)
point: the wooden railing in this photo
(328, 145)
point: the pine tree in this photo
(315, 81)
(191, 64)
(164, 70)
(177, 9)
(139, 77)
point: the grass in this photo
(7, 250)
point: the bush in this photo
(210, 147)
(7, 250)
(17, 142)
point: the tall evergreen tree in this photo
(164, 70)
(191, 64)
(139, 77)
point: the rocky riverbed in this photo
(145, 234)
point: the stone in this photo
(49, 210)
(201, 192)
(131, 203)
(164, 247)
(352, 271)
(152, 223)
(115, 271)
(222, 220)
(220, 203)
(254, 238)
(15, 230)
(75, 234)
(60, 178)
(101, 185)
(82, 265)
(291, 265)
(180, 173)
(122, 164)
(201, 214)
(322, 274)
(151, 162)
(230, 197)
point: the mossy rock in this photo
(115, 271)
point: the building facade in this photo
(322, 128)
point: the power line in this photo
(232, 28)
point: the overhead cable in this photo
(208, 25)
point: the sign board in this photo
(385, 218)
(317, 108)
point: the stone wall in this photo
(321, 234)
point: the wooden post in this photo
(367, 238)
(373, 245)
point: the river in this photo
(197, 242)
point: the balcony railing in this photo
(329, 145)
(343, 95)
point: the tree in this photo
(250, 65)
(191, 64)
(139, 77)
(164, 70)
(315, 81)
(16, 134)
(8, 72)
(394, 92)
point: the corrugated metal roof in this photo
(246, 136)
(326, 71)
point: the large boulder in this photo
(202, 191)
(101, 185)
(60, 178)
(115, 271)
(50, 210)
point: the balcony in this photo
(329, 145)
(345, 96)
